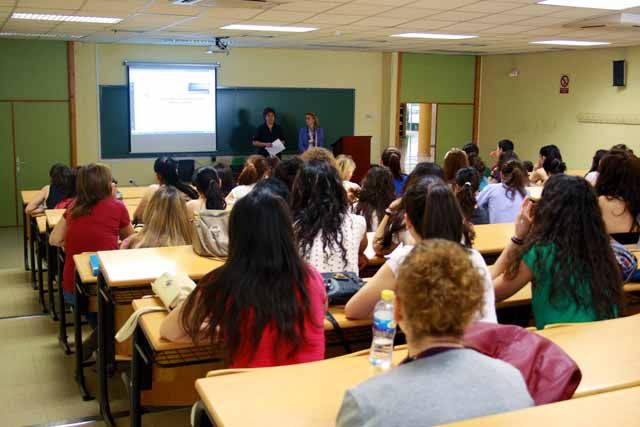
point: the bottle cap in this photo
(387, 295)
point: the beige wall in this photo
(531, 111)
(363, 71)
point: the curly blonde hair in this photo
(439, 289)
(319, 153)
(346, 166)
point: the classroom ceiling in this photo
(502, 26)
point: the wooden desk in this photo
(577, 172)
(133, 192)
(618, 408)
(27, 196)
(491, 239)
(174, 367)
(311, 394)
(131, 203)
(39, 245)
(123, 277)
(535, 192)
(55, 262)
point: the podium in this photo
(359, 148)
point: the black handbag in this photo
(341, 286)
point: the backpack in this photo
(211, 233)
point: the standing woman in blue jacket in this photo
(311, 135)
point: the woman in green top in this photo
(562, 247)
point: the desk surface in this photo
(137, 267)
(618, 408)
(492, 238)
(132, 192)
(83, 267)
(311, 394)
(53, 216)
(150, 323)
(28, 195)
(41, 221)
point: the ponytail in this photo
(391, 157)
(167, 170)
(554, 166)
(207, 181)
(515, 177)
(467, 183)
(255, 168)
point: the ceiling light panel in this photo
(595, 4)
(65, 18)
(434, 36)
(270, 28)
(570, 43)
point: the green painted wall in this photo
(454, 128)
(437, 78)
(531, 111)
(7, 198)
(33, 77)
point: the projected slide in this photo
(172, 109)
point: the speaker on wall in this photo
(619, 73)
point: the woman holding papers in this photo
(311, 135)
(267, 133)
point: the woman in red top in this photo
(265, 303)
(94, 222)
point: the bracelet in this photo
(516, 240)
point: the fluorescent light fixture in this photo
(433, 36)
(62, 36)
(594, 4)
(272, 28)
(570, 43)
(66, 18)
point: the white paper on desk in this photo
(277, 146)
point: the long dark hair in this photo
(287, 170)
(93, 184)
(167, 170)
(376, 194)
(262, 283)
(619, 177)
(550, 152)
(391, 157)
(207, 182)
(554, 166)
(596, 159)
(435, 213)
(226, 176)
(319, 204)
(568, 218)
(467, 183)
(515, 178)
(396, 221)
(62, 177)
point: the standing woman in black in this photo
(267, 132)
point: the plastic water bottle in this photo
(384, 330)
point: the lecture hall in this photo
(310, 213)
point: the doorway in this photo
(417, 133)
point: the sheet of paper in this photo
(277, 146)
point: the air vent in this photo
(248, 4)
(185, 2)
(617, 21)
(335, 46)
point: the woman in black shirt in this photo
(267, 132)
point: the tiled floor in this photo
(36, 377)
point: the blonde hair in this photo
(166, 221)
(319, 153)
(439, 289)
(346, 166)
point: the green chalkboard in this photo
(239, 113)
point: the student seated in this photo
(94, 222)
(256, 167)
(265, 304)
(226, 177)
(319, 153)
(465, 187)
(166, 169)
(439, 292)
(57, 194)
(454, 160)
(504, 146)
(287, 170)
(539, 175)
(346, 167)
(330, 238)
(477, 163)
(562, 247)
(392, 231)
(503, 200)
(166, 222)
(376, 195)
(432, 212)
(553, 167)
(592, 175)
(392, 158)
(505, 156)
(618, 189)
(210, 194)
